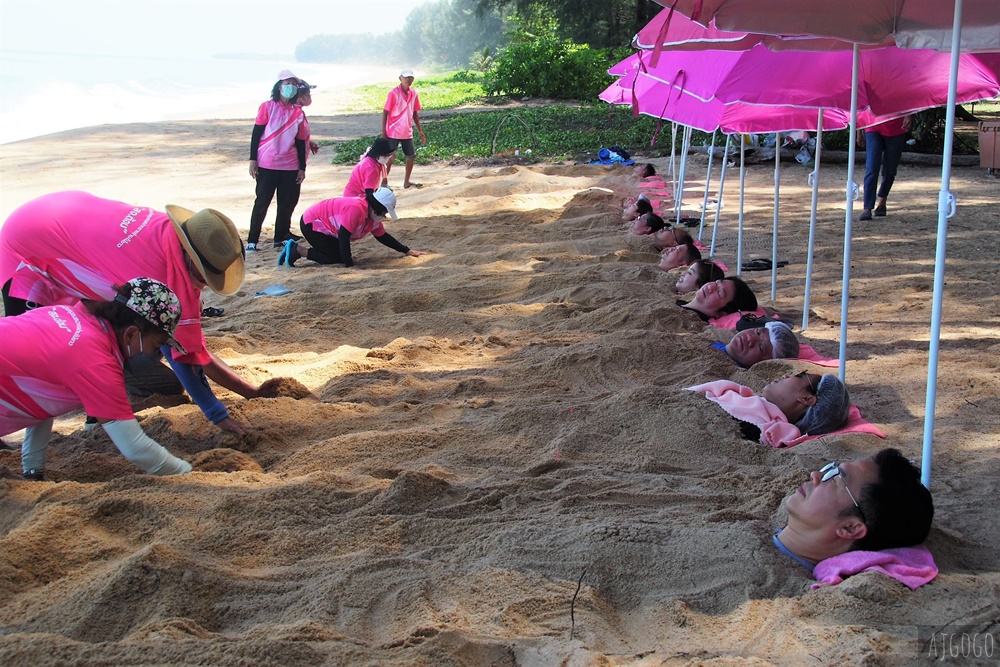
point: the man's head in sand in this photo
(647, 223)
(644, 170)
(869, 505)
(639, 207)
(678, 256)
(774, 340)
(668, 237)
(815, 404)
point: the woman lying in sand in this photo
(633, 209)
(58, 359)
(668, 237)
(697, 274)
(331, 225)
(647, 224)
(787, 409)
(720, 297)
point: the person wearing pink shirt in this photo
(333, 224)
(400, 113)
(370, 173)
(60, 358)
(68, 246)
(278, 158)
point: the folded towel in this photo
(807, 353)
(741, 402)
(913, 566)
(652, 182)
(720, 264)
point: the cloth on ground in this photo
(807, 353)
(913, 566)
(729, 320)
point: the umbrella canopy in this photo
(913, 24)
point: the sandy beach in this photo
(485, 455)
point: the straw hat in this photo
(211, 241)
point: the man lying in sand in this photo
(669, 237)
(633, 209)
(720, 297)
(774, 340)
(646, 224)
(789, 408)
(867, 505)
(678, 256)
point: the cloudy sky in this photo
(197, 27)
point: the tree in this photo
(597, 23)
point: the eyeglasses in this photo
(831, 470)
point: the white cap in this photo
(406, 72)
(387, 198)
(286, 74)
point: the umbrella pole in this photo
(708, 183)
(722, 186)
(743, 188)
(814, 181)
(679, 192)
(774, 230)
(673, 155)
(849, 215)
(945, 210)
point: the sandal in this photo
(212, 312)
(762, 265)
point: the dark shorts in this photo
(407, 146)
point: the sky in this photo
(196, 27)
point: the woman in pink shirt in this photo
(278, 158)
(883, 144)
(370, 173)
(331, 225)
(61, 358)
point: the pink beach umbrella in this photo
(959, 25)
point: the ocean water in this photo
(41, 93)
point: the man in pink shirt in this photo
(68, 246)
(399, 115)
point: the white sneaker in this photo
(251, 247)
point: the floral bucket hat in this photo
(156, 303)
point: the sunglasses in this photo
(831, 470)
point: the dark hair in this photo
(682, 237)
(654, 222)
(648, 170)
(120, 316)
(379, 148)
(897, 508)
(707, 271)
(642, 206)
(743, 297)
(691, 253)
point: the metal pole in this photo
(814, 178)
(849, 215)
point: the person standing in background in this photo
(400, 113)
(278, 158)
(883, 144)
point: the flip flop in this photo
(212, 312)
(761, 265)
(413, 185)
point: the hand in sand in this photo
(234, 426)
(270, 388)
(416, 253)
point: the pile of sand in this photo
(469, 436)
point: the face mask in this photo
(288, 91)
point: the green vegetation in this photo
(554, 132)
(441, 91)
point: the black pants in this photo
(323, 248)
(269, 181)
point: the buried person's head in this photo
(647, 223)
(775, 340)
(697, 274)
(870, 504)
(678, 256)
(721, 297)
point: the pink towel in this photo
(914, 566)
(807, 353)
(741, 402)
(729, 321)
(652, 182)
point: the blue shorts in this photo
(407, 146)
